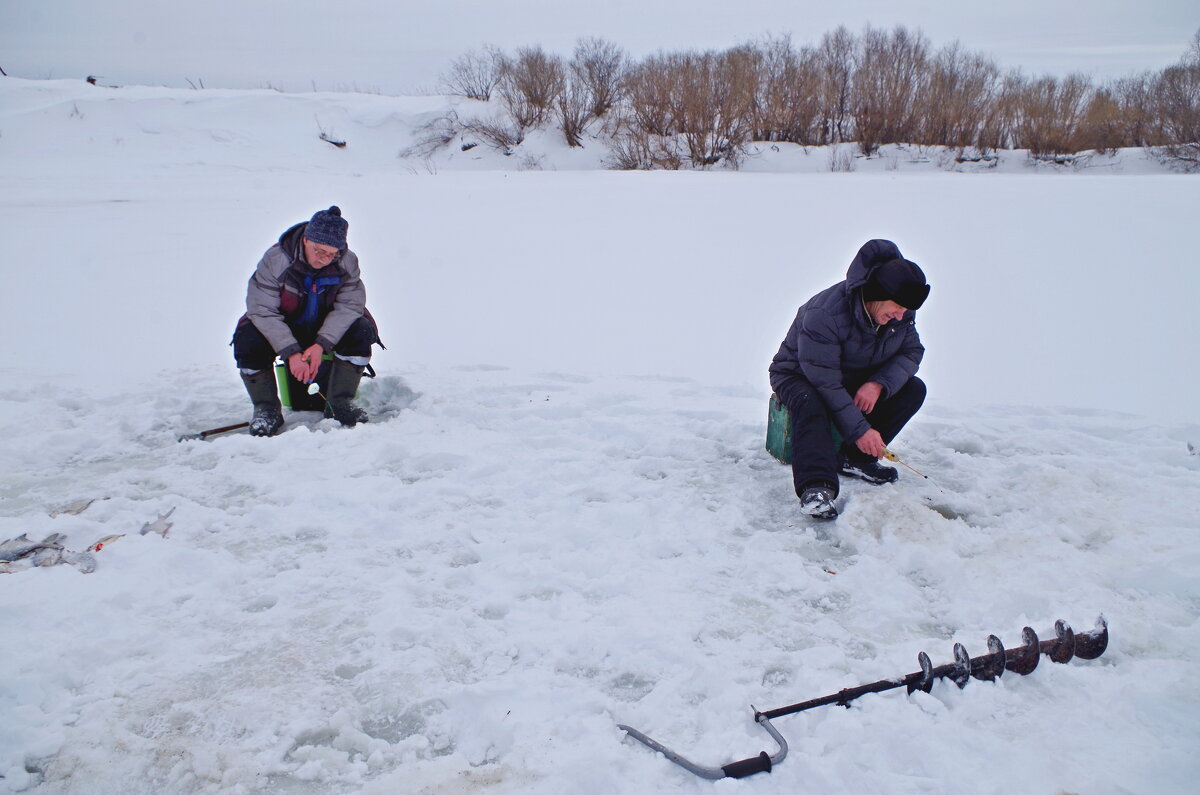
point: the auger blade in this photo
(991, 665)
(925, 682)
(1062, 648)
(961, 673)
(1024, 659)
(1090, 645)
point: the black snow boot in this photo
(343, 386)
(268, 413)
(817, 502)
(866, 468)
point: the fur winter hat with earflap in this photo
(328, 228)
(897, 280)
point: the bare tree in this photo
(1103, 126)
(959, 100)
(1192, 56)
(530, 82)
(837, 55)
(649, 90)
(1049, 116)
(787, 102)
(889, 78)
(1177, 103)
(475, 75)
(598, 67)
(573, 108)
(713, 103)
(1134, 97)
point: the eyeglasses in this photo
(323, 252)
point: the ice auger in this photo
(1022, 660)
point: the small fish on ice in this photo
(74, 508)
(22, 546)
(22, 552)
(159, 525)
(103, 542)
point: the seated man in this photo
(304, 300)
(850, 357)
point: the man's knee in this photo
(910, 398)
(800, 398)
(250, 348)
(914, 391)
(358, 339)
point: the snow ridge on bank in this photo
(166, 128)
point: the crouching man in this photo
(304, 300)
(851, 357)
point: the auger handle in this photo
(748, 767)
(740, 769)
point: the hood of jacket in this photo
(872, 254)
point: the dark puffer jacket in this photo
(286, 292)
(834, 342)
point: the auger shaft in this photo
(1065, 645)
(1022, 659)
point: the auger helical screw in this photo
(1022, 660)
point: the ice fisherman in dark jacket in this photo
(306, 299)
(851, 358)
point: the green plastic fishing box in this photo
(779, 431)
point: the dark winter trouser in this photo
(253, 352)
(814, 459)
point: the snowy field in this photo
(561, 516)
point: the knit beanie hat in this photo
(897, 280)
(328, 228)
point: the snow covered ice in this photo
(561, 516)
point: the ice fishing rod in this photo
(1022, 660)
(213, 431)
(890, 456)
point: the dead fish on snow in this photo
(74, 508)
(22, 552)
(22, 546)
(102, 543)
(84, 561)
(159, 525)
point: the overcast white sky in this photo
(400, 46)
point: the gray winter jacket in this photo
(286, 293)
(833, 342)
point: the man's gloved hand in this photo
(304, 365)
(871, 443)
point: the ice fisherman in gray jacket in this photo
(306, 299)
(849, 362)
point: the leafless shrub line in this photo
(700, 109)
